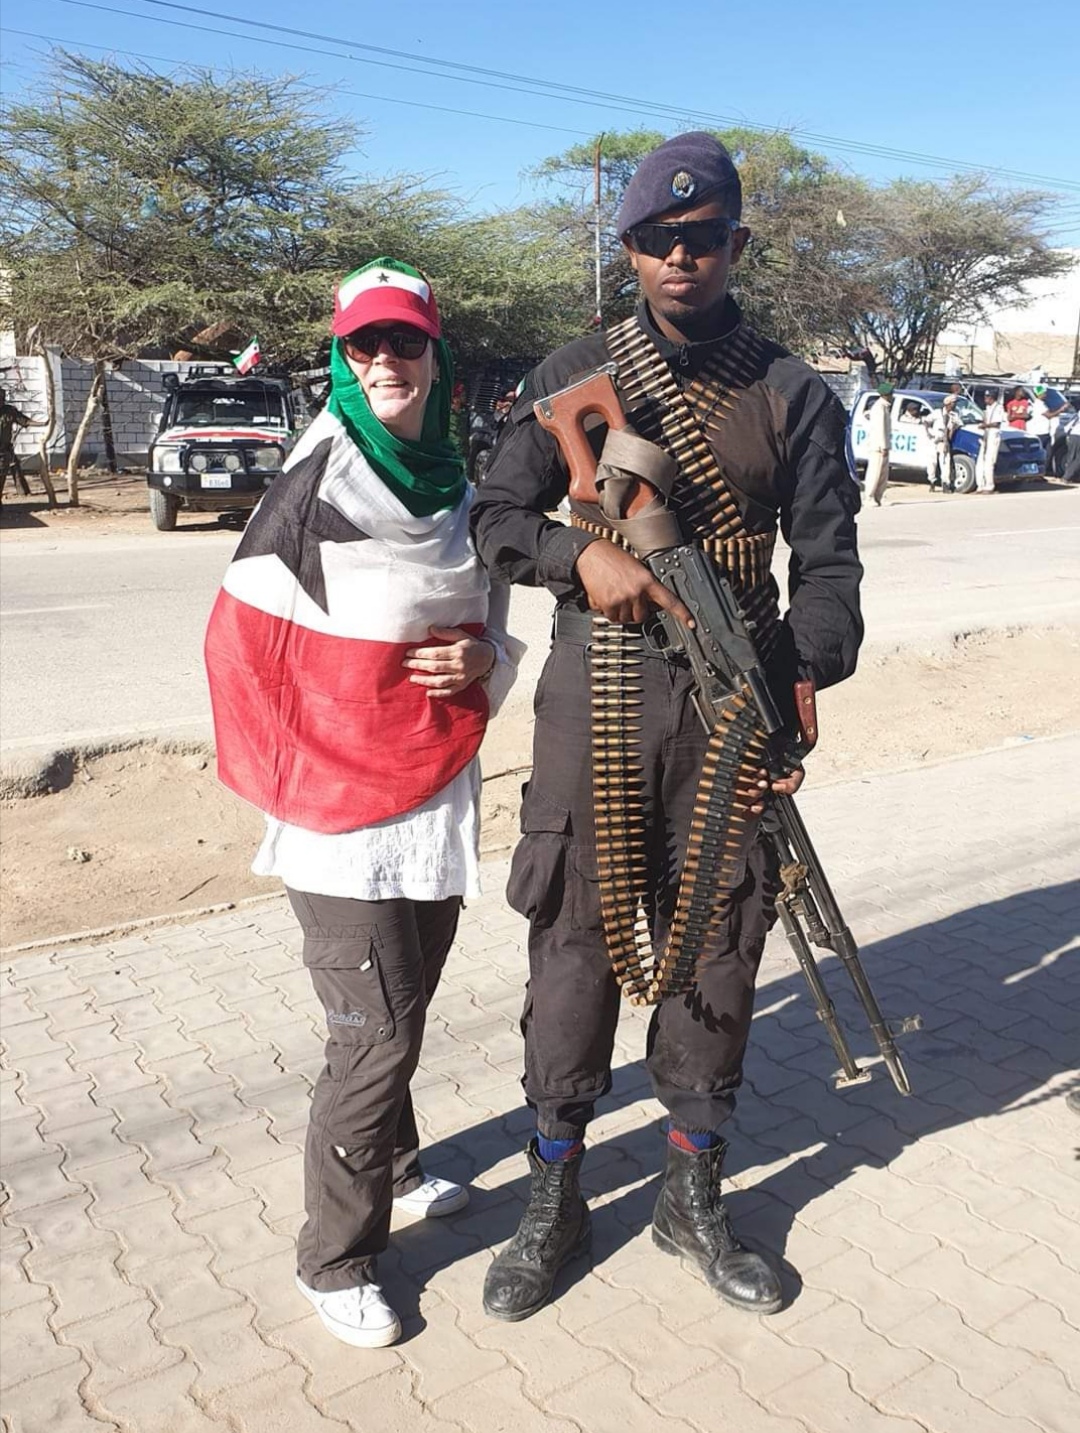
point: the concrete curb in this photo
(500, 853)
(40, 771)
(48, 770)
(79, 937)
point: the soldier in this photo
(11, 419)
(777, 436)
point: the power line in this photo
(293, 47)
(574, 93)
(1062, 212)
(357, 94)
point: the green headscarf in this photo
(425, 476)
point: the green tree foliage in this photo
(140, 209)
(508, 285)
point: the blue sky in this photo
(981, 87)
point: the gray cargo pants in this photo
(375, 966)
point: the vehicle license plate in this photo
(216, 480)
(1030, 467)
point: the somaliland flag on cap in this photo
(383, 291)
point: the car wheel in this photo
(963, 473)
(163, 510)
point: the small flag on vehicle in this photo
(247, 360)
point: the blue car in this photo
(1019, 457)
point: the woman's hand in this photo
(445, 671)
(785, 786)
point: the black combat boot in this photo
(690, 1219)
(553, 1229)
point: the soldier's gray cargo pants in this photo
(375, 966)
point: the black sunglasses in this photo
(697, 236)
(404, 342)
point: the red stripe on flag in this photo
(328, 733)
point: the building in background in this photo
(1041, 334)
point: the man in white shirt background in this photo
(992, 423)
(879, 423)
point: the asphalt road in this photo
(101, 638)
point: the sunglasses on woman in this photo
(697, 236)
(404, 342)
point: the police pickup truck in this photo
(222, 441)
(1020, 455)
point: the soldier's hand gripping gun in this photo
(722, 658)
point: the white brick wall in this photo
(23, 380)
(136, 399)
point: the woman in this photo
(354, 656)
(1018, 410)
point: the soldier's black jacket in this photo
(781, 451)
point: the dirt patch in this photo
(110, 504)
(147, 831)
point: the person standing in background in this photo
(941, 425)
(1046, 418)
(993, 421)
(11, 420)
(879, 423)
(1018, 410)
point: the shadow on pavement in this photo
(990, 984)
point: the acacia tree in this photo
(941, 254)
(138, 209)
(148, 211)
(507, 284)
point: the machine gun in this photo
(723, 660)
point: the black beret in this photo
(682, 173)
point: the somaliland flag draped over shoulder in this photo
(315, 718)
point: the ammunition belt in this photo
(677, 419)
(722, 826)
(577, 629)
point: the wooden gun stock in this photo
(563, 414)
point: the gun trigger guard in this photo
(654, 635)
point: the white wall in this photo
(136, 400)
(1039, 332)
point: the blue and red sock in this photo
(551, 1150)
(693, 1141)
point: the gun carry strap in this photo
(722, 827)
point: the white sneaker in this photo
(434, 1198)
(360, 1315)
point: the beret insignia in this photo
(682, 184)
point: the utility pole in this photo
(596, 225)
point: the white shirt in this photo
(880, 426)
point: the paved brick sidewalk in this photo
(154, 1098)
